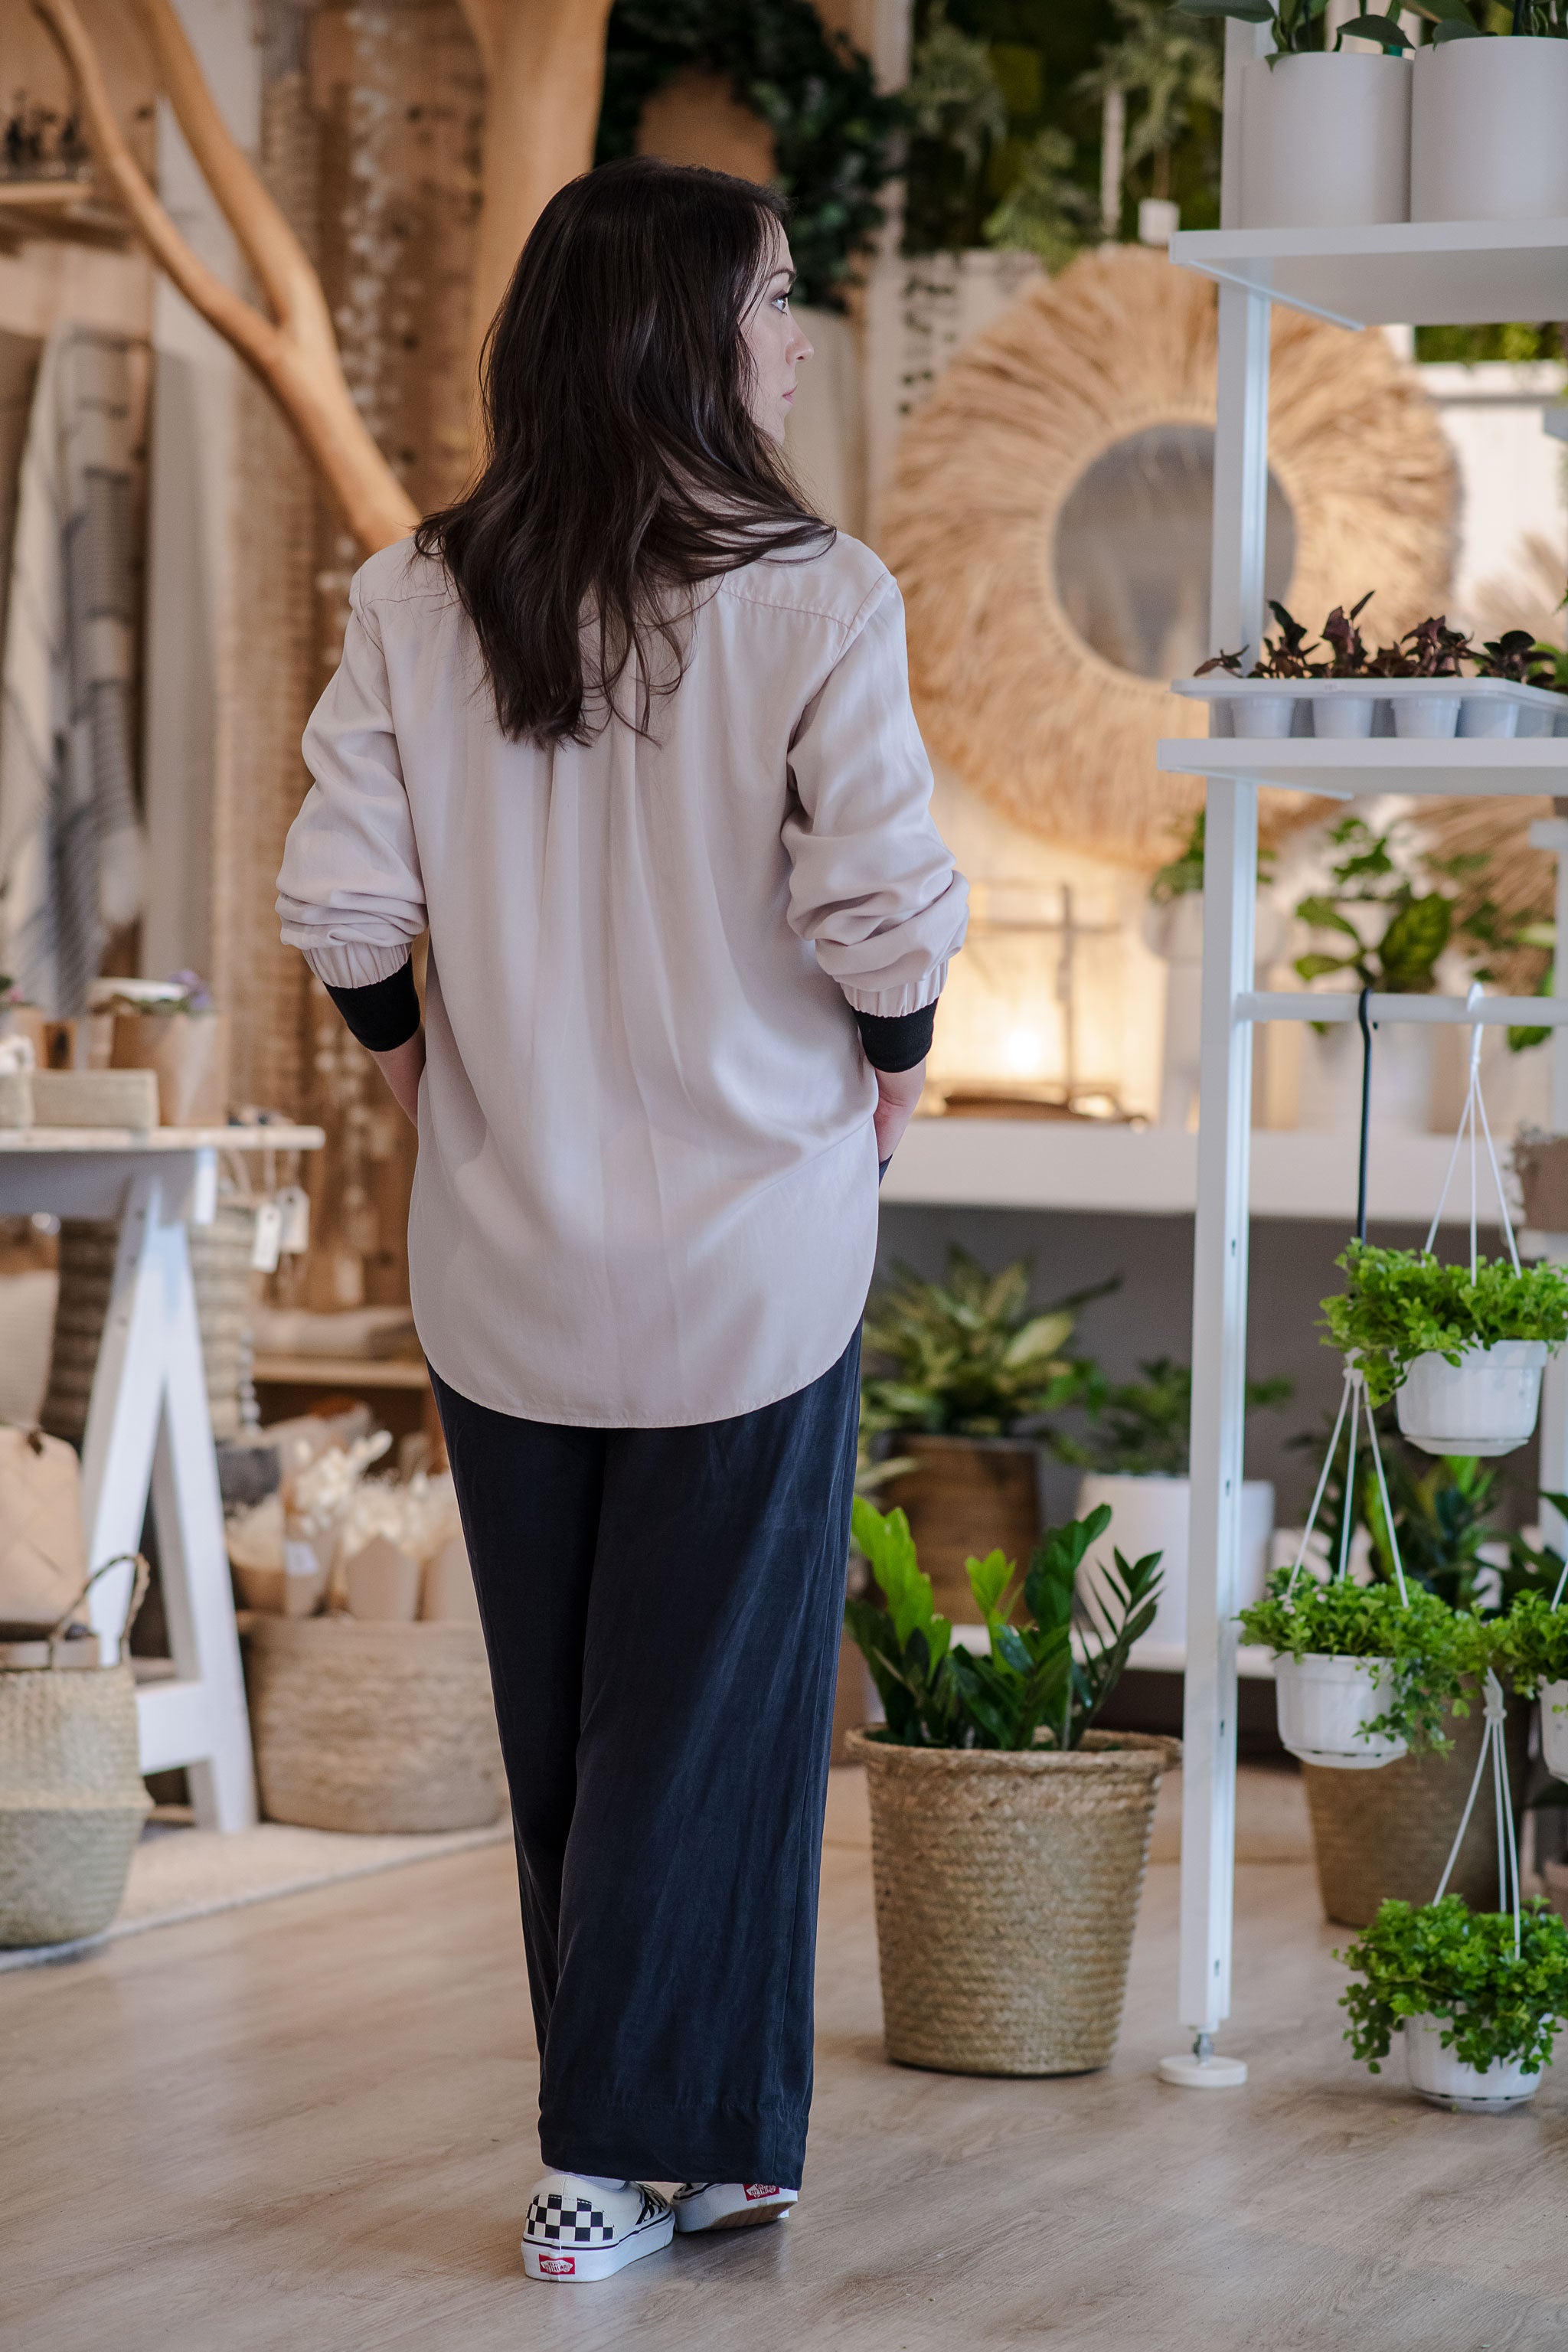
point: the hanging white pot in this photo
(1444, 2078)
(1329, 1092)
(1321, 1704)
(1554, 1728)
(1486, 1403)
(1487, 139)
(1325, 141)
(1149, 1514)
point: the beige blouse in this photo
(647, 1183)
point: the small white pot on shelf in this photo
(1321, 1704)
(1429, 718)
(1325, 141)
(1485, 1404)
(1554, 1728)
(1435, 2073)
(1345, 717)
(1487, 139)
(1263, 717)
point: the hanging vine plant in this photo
(833, 130)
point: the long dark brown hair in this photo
(621, 467)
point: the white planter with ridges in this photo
(1325, 141)
(1488, 138)
(1438, 2075)
(1149, 1514)
(1321, 1704)
(1554, 1728)
(1486, 1403)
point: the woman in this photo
(627, 728)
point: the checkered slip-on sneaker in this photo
(575, 2232)
(730, 2204)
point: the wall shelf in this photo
(1408, 273)
(1381, 764)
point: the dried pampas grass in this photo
(1006, 691)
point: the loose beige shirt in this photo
(647, 1183)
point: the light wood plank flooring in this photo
(309, 2125)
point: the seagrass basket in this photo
(373, 1727)
(72, 1801)
(1007, 1890)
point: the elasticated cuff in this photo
(385, 1015)
(896, 1042)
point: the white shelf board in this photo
(1093, 1167)
(1406, 273)
(1475, 767)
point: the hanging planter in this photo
(1486, 1403)
(1532, 1641)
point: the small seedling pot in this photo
(1321, 1704)
(1487, 139)
(1487, 714)
(1429, 718)
(1325, 141)
(1484, 1404)
(1343, 718)
(1263, 717)
(1554, 1728)
(1436, 2074)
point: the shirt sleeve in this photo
(351, 893)
(873, 886)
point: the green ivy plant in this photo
(1447, 1961)
(1532, 1639)
(1140, 1429)
(1033, 1682)
(967, 1356)
(1399, 1304)
(1429, 1647)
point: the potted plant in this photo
(1008, 1836)
(1430, 650)
(1134, 1451)
(171, 1027)
(1478, 2006)
(962, 1373)
(1487, 114)
(1461, 1348)
(1325, 133)
(1362, 1672)
(1348, 717)
(1267, 717)
(1533, 1644)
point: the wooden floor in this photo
(309, 2125)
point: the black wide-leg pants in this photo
(662, 1610)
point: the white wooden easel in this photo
(148, 1429)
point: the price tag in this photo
(294, 1205)
(264, 1249)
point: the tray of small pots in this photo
(1432, 683)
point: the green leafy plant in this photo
(1295, 23)
(1184, 875)
(1389, 932)
(1400, 1304)
(1451, 20)
(1140, 1429)
(1172, 76)
(1532, 1639)
(1045, 210)
(1035, 1680)
(1447, 1961)
(1429, 1647)
(968, 1356)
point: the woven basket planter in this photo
(71, 1800)
(1007, 1891)
(373, 1727)
(1387, 1835)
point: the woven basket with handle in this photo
(72, 1801)
(1007, 1889)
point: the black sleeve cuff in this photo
(383, 1015)
(897, 1041)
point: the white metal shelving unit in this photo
(1461, 274)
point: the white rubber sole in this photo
(732, 2205)
(580, 2265)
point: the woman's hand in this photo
(898, 1091)
(402, 1069)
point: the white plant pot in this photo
(1438, 2075)
(1321, 1704)
(1554, 1728)
(1343, 718)
(1429, 718)
(1486, 1403)
(1484, 714)
(1149, 1514)
(1329, 1095)
(1487, 138)
(1263, 717)
(1325, 141)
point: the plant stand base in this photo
(1190, 2072)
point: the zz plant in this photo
(1035, 1680)
(1400, 1304)
(1447, 1961)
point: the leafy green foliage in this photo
(1185, 874)
(1388, 934)
(1445, 1961)
(1045, 210)
(1140, 1428)
(1532, 1639)
(1429, 1646)
(1170, 72)
(968, 1355)
(1032, 1680)
(1400, 1304)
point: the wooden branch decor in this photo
(294, 351)
(545, 71)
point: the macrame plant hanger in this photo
(1507, 1844)
(1475, 1126)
